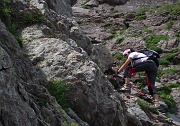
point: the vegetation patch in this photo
(141, 81)
(164, 62)
(107, 25)
(154, 39)
(168, 59)
(42, 102)
(121, 32)
(115, 11)
(169, 71)
(147, 30)
(61, 91)
(145, 106)
(119, 56)
(174, 50)
(141, 14)
(169, 25)
(9, 19)
(85, 6)
(114, 34)
(164, 95)
(174, 10)
(6, 11)
(71, 124)
(32, 18)
(119, 40)
(177, 34)
(114, 83)
(155, 48)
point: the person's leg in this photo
(155, 97)
(129, 71)
(151, 72)
(151, 78)
(127, 78)
(153, 93)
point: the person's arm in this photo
(125, 64)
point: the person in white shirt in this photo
(141, 63)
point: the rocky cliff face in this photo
(60, 48)
(56, 49)
(21, 95)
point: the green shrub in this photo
(114, 83)
(177, 34)
(154, 39)
(5, 12)
(174, 50)
(74, 124)
(32, 18)
(6, 16)
(119, 40)
(115, 11)
(84, 5)
(139, 84)
(142, 80)
(170, 56)
(113, 33)
(164, 62)
(79, 22)
(145, 106)
(140, 17)
(169, 25)
(169, 71)
(104, 42)
(60, 90)
(154, 47)
(174, 86)
(164, 95)
(174, 10)
(20, 40)
(119, 56)
(121, 32)
(168, 59)
(107, 25)
(42, 102)
(141, 14)
(147, 30)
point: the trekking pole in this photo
(144, 96)
(136, 89)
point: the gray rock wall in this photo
(71, 57)
(23, 101)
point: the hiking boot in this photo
(125, 88)
(156, 104)
(160, 106)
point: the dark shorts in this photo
(150, 68)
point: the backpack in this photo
(153, 55)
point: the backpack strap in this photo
(139, 58)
